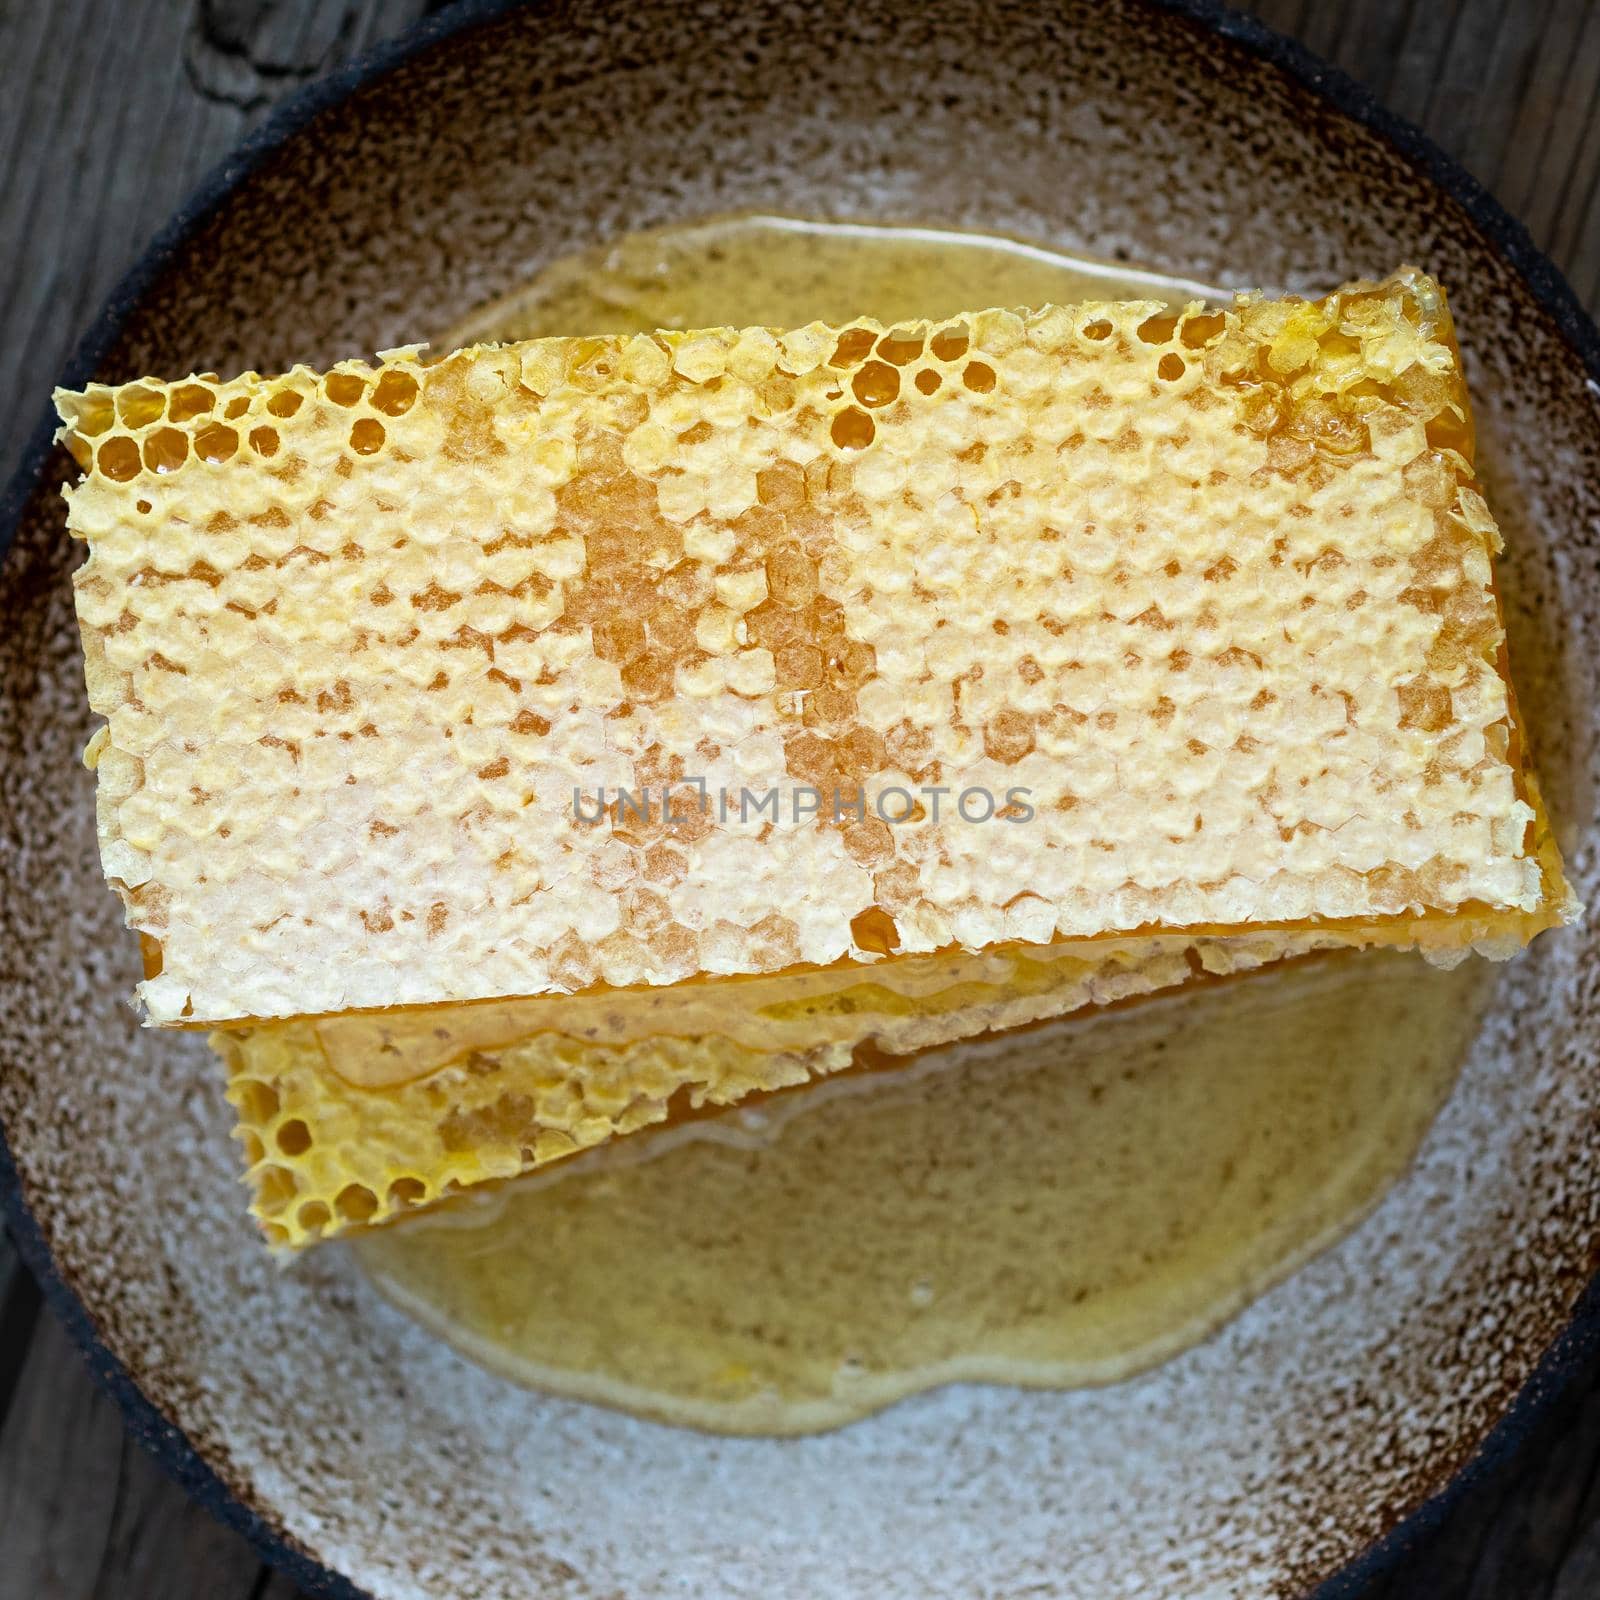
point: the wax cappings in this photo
(1212, 588)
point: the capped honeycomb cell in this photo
(441, 683)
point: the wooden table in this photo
(110, 112)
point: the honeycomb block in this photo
(1082, 623)
(350, 1121)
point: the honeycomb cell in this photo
(294, 1138)
(876, 384)
(93, 416)
(1159, 328)
(275, 1188)
(1425, 705)
(618, 639)
(1008, 737)
(854, 345)
(367, 436)
(648, 676)
(344, 388)
(216, 443)
(1202, 328)
(190, 400)
(138, 405)
(256, 1100)
(853, 429)
(166, 449)
(118, 458)
(355, 1203)
(874, 931)
(791, 576)
(395, 393)
(900, 347)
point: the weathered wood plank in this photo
(85, 1512)
(1578, 1577)
(111, 110)
(278, 1587)
(121, 107)
(1549, 117)
(59, 1458)
(156, 1533)
(19, 1316)
(8, 1264)
(1482, 82)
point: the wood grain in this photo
(112, 110)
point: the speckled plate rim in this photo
(162, 1437)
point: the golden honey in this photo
(1057, 1207)
(1060, 1206)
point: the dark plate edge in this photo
(163, 1438)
